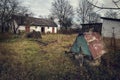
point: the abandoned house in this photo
(111, 28)
(28, 24)
(97, 27)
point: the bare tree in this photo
(94, 18)
(85, 12)
(7, 9)
(22, 10)
(62, 10)
(111, 14)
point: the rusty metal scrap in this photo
(95, 43)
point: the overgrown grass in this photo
(110, 43)
(26, 59)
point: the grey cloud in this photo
(38, 7)
(42, 7)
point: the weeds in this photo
(25, 59)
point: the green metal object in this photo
(80, 46)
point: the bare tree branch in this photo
(85, 12)
(63, 11)
(8, 8)
(111, 14)
(115, 2)
(102, 7)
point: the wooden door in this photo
(53, 29)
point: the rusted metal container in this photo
(95, 43)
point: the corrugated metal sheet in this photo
(95, 44)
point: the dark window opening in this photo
(42, 29)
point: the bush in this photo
(69, 31)
(34, 34)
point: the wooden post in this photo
(113, 42)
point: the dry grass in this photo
(110, 46)
(26, 59)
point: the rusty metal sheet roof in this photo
(95, 43)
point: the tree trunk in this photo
(14, 31)
(3, 28)
(66, 28)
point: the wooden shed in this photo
(96, 26)
(111, 27)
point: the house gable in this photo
(111, 26)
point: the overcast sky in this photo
(42, 7)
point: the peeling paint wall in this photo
(36, 28)
(50, 30)
(107, 28)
